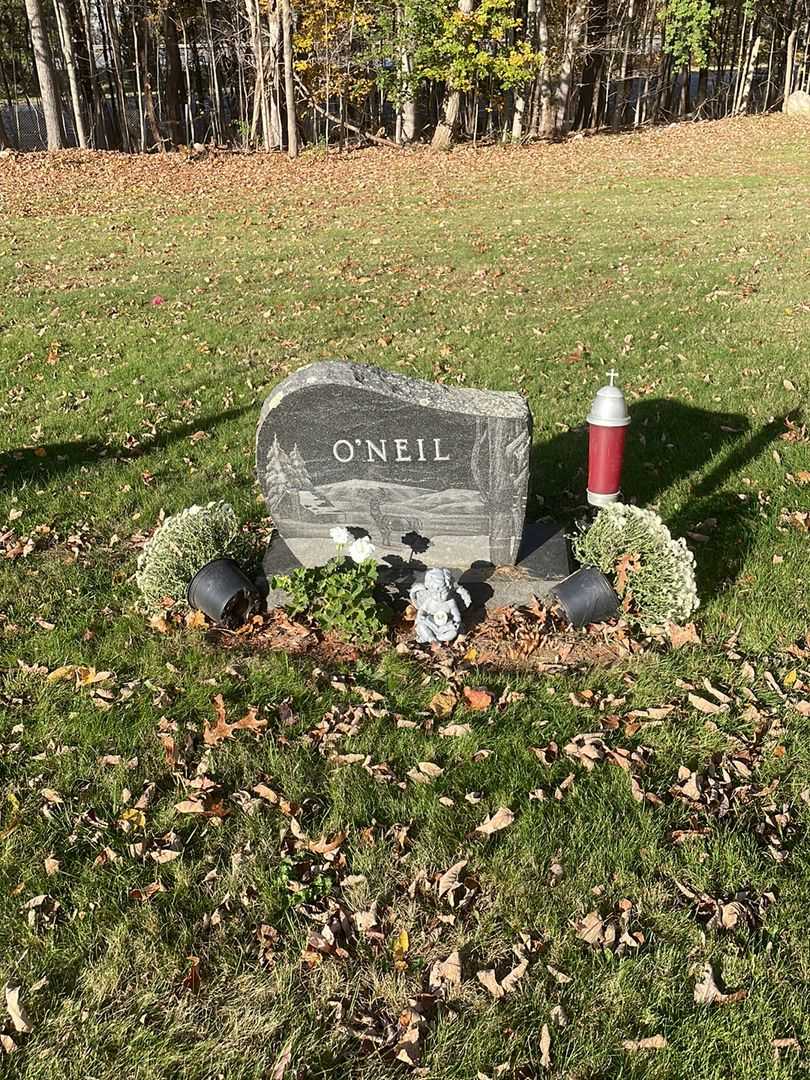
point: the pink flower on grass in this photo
(156, 301)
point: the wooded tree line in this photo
(151, 75)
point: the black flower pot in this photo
(223, 592)
(586, 596)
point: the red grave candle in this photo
(607, 429)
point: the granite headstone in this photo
(435, 476)
(406, 461)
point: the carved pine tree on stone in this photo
(278, 475)
(299, 477)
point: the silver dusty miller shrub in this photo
(653, 574)
(179, 547)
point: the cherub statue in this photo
(438, 616)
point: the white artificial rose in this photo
(361, 550)
(340, 535)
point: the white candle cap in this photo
(608, 408)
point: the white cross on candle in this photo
(613, 375)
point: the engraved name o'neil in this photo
(368, 450)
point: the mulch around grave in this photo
(508, 639)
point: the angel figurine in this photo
(438, 615)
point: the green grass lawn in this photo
(681, 257)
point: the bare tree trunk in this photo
(189, 99)
(621, 89)
(99, 126)
(51, 106)
(273, 76)
(151, 114)
(448, 122)
(65, 28)
(700, 95)
(545, 118)
(766, 97)
(261, 110)
(174, 79)
(216, 113)
(791, 52)
(567, 69)
(118, 68)
(522, 94)
(289, 86)
(406, 113)
(138, 82)
(114, 124)
(661, 90)
(685, 88)
(742, 105)
(803, 65)
(740, 65)
(5, 141)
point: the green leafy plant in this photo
(339, 596)
(653, 574)
(180, 546)
(465, 48)
(687, 30)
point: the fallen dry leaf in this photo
(192, 980)
(784, 1044)
(147, 892)
(652, 1042)
(709, 708)
(545, 1047)
(446, 973)
(443, 703)
(707, 991)
(477, 698)
(611, 933)
(454, 730)
(743, 908)
(195, 620)
(546, 754)
(425, 772)
(450, 878)
(19, 1017)
(501, 987)
(282, 1063)
(60, 674)
(501, 819)
(681, 636)
(588, 748)
(214, 734)
(326, 847)
(402, 944)
(559, 1016)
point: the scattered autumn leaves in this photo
(436, 969)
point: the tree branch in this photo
(345, 123)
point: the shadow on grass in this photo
(57, 459)
(668, 442)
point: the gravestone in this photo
(435, 476)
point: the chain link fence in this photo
(24, 124)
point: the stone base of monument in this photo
(542, 562)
